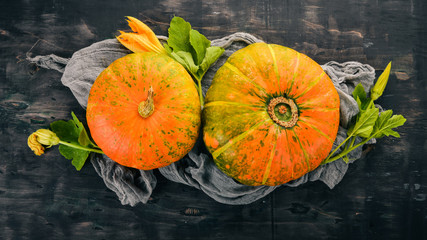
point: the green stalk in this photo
(352, 141)
(80, 147)
(199, 84)
(345, 152)
(371, 104)
(348, 142)
(199, 88)
(336, 149)
(347, 145)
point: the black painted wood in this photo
(383, 196)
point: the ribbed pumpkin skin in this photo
(118, 129)
(245, 142)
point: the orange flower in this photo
(37, 148)
(142, 39)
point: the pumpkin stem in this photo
(146, 108)
(283, 111)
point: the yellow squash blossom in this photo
(379, 87)
(142, 39)
(42, 137)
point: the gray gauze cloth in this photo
(197, 168)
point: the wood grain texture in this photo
(383, 196)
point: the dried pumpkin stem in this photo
(282, 101)
(146, 108)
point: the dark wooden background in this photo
(383, 196)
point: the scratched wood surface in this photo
(383, 196)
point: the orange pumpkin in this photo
(143, 111)
(271, 115)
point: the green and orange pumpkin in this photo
(270, 116)
(143, 111)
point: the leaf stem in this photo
(338, 147)
(370, 105)
(352, 141)
(345, 152)
(199, 89)
(80, 147)
(199, 83)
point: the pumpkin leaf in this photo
(385, 124)
(212, 54)
(66, 131)
(191, 49)
(83, 139)
(359, 95)
(186, 60)
(359, 102)
(364, 123)
(74, 139)
(179, 35)
(199, 43)
(359, 91)
(77, 156)
(368, 123)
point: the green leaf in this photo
(66, 131)
(364, 123)
(179, 35)
(79, 124)
(199, 43)
(83, 139)
(385, 124)
(77, 156)
(212, 54)
(192, 50)
(186, 60)
(359, 91)
(368, 123)
(362, 100)
(382, 119)
(167, 48)
(73, 134)
(359, 103)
